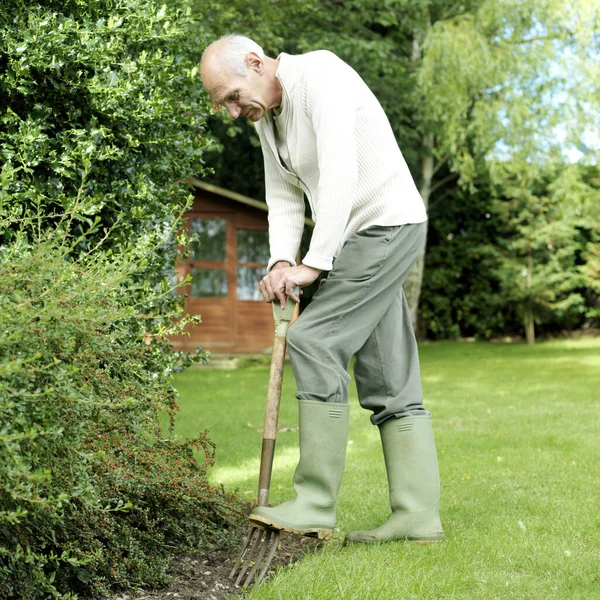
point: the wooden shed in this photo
(226, 266)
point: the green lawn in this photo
(518, 437)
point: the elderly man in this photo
(324, 135)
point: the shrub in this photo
(91, 495)
(101, 110)
(461, 285)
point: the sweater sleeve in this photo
(286, 211)
(330, 105)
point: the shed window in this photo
(211, 239)
(209, 283)
(253, 246)
(209, 280)
(252, 259)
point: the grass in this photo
(518, 436)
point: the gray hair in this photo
(235, 49)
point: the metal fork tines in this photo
(256, 556)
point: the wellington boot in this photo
(323, 438)
(414, 481)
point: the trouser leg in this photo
(386, 368)
(365, 281)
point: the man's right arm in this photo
(282, 280)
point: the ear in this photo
(255, 62)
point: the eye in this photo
(233, 97)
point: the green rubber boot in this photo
(323, 439)
(414, 480)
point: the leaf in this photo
(83, 575)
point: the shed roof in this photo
(219, 191)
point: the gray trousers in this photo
(360, 310)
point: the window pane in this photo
(209, 283)
(253, 245)
(248, 279)
(211, 244)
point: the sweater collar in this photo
(286, 71)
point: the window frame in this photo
(233, 223)
(252, 264)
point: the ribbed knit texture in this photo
(343, 156)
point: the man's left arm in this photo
(330, 105)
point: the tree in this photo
(541, 269)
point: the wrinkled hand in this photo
(281, 280)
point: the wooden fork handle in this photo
(271, 419)
(282, 318)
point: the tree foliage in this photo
(511, 79)
(465, 85)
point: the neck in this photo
(275, 91)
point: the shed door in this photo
(212, 291)
(226, 263)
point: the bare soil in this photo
(206, 576)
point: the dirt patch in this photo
(206, 576)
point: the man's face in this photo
(241, 96)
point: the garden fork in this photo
(261, 542)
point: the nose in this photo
(233, 109)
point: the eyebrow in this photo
(225, 96)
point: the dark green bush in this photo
(461, 286)
(101, 110)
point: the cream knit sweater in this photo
(341, 153)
